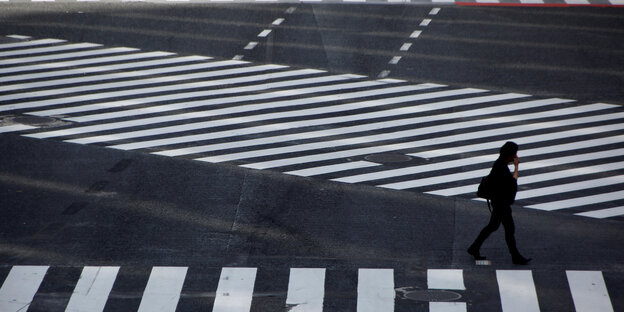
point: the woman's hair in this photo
(509, 149)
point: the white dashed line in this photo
(251, 45)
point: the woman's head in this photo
(508, 151)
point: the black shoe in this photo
(475, 254)
(520, 260)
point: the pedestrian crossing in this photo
(236, 289)
(552, 3)
(313, 123)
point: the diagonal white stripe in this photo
(73, 46)
(517, 291)
(29, 43)
(589, 291)
(235, 290)
(20, 287)
(92, 289)
(60, 56)
(163, 289)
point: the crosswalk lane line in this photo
(185, 116)
(148, 90)
(344, 130)
(447, 307)
(132, 83)
(287, 125)
(578, 201)
(29, 43)
(14, 128)
(424, 142)
(80, 62)
(375, 290)
(235, 290)
(32, 59)
(589, 291)
(163, 289)
(241, 98)
(332, 168)
(73, 46)
(415, 132)
(445, 279)
(570, 187)
(607, 212)
(517, 291)
(547, 163)
(20, 286)
(92, 290)
(306, 290)
(117, 75)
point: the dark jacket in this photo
(505, 184)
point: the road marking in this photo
(235, 290)
(20, 287)
(585, 200)
(447, 307)
(570, 187)
(73, 46)
(17, 127)
(589, 291)
(375, 290)
(60, 56)
(29, 43)
(306, 290)
(425, 22)
(445, 279)
(20, 37)
(162, 292)
(264, 33)
(517, 291)
(278, 21)
(395, 60)
(92, 290)
(605, 213)
(251, 45)
(332, 168)
(406, 46)
(416, 34)
(434, 11)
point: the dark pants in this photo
(500, 214)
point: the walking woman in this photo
(505, 194)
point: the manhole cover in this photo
(34, 120)
(431, 295)
(388, 158)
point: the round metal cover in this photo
(34, 120)
(431, 295)
(388, 158)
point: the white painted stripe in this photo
(276, 126)
(425, 22)
(375, 290)
(19, 37)
(251, 45)
(87, 70)
(547, 163)
(589, 291)
(66, 47)
(88, 61)
(577, 2)
(415, 132)
(434, 11)
(416, 34)
(118, 75)
(332, 168)
(406, 46)
(29, 43)
(12, 61)
(192, 85)
(605, 213)
(570, 187)
(20, 287)
(531, 1)
(17, 127)
(278, 21)
(416, 144)
(199, 114)
(306, 290)
(92, 289)
(617, 2)
(447, 307)
(230, 100)
(163, 289)
(517, 291)
(235, 290)
(445, 279)
(579, 201)
(264, 33)
(135, 83)
(488, 1)
(395, 60)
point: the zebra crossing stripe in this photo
(603, 213)
(570, 187)
(589, 291)
(447, 307)
(306, 290)
(162, 292)
(13, 128)
(88, 61)
(13, 61)
(20, 287)
(332, 168)
(517, 291)
(92, 290)
(235, 290)
(416, 132)
(375, 290)
(73, 46)
(445, 279)
(30, 43)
